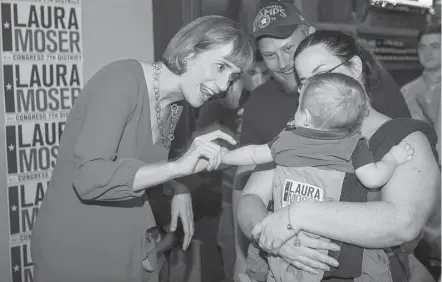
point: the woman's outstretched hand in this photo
(203, 154)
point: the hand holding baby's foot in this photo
(403, 152)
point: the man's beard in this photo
(288, 81)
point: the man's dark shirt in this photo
(267, 112)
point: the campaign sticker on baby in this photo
(295, 191)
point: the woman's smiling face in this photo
(208, 74)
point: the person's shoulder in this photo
(406, 88)
(118, 78)
(425, 162)
(393, 131)
(122, 69)
(124, 63)
(402, 127)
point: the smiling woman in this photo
(209, 55)
(334, 51)
(208, 74)
(115, 146)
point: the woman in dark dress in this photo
(93, 221)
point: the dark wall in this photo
(167, 19)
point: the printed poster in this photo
(391, 49)
(42, 65)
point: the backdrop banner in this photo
(42, 61)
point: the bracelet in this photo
(289, 226)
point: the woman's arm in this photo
(241, 241)
(252, 205)
(102, 174)
(202, 154)
(408, 199)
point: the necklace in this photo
(165, 139)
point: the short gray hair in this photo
(206, 33)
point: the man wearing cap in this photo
(278, 29)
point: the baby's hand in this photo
(403, 152)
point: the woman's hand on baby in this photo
(274, 231)
(204, 153)
(182, 208)
(403, 152)
(308, 257)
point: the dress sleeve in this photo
(101, 174)
(361, 155)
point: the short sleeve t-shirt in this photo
(361, 155)
(332, 150)
(266, 113)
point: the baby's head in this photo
(330, 102)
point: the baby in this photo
(317, 148)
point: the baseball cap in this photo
(277, 19)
